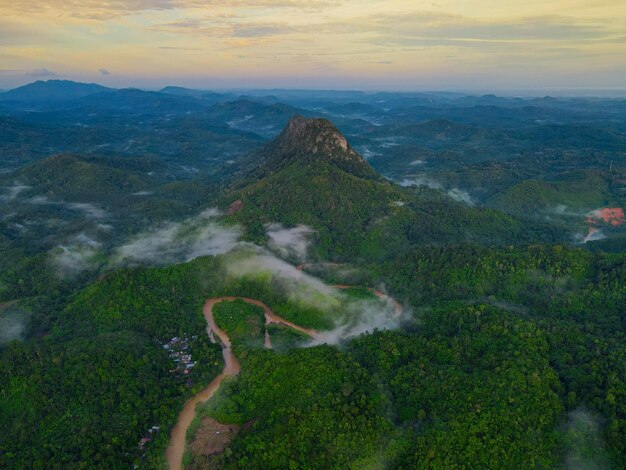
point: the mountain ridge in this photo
(53, 90)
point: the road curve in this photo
(176, 448)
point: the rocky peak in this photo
(313, 135)
(315, 140)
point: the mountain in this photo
(314, 142)
(53, 90)
(311, 175)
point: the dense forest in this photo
(481, 216)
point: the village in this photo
(178, 350)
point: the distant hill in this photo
(53, 90)
(264, 119)
(77, 178)
(181, 91)
(207, 96)
(134, 101)
(311, 175)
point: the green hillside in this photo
(357, 213)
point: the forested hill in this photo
(313, 141)
(311, 175)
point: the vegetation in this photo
(243, 323)
(512, 349)
(314, 408)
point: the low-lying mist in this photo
(206, 235)
(177, 242)
(81, 253)
(13, 323)
(457, 194)
(289, 242)
(584, 445)
(350, 316)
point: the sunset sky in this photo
(355, 44)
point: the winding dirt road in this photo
(176, 449)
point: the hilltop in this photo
(53, 90)
(313, 142)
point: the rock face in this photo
(313, 136)
(311, 141)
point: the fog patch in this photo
(89, 210)
(290, 242)
(594, 234)
(361, 317)
(105, 227)
(457, 194)
(585, 449)
(189, 169)
(421, 181)
(565, 211)
(177, 242)
(366, 152)
(13, 323)
(11, 192)
(461, 196)
(351, 316)
(299, 287)
(80, 254)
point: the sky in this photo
(322, 44)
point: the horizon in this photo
(528, 93)
(398, 45)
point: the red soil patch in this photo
(213, 437)
(234, 207)
(609, 215)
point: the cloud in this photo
(11, 192)
(457, 194)
(421, 181)
(409, 28)
(104, 72)
(260, 30)
(90, 210)
(13, 321)
(41, 73)
(96, 10)
(178, 242)
(253, 261)
(584, 445)
(290, 242)
(461, 196)
(78, 255)
(176, 48)
(361, 317)
(351, 316)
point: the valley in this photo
(385, 279)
